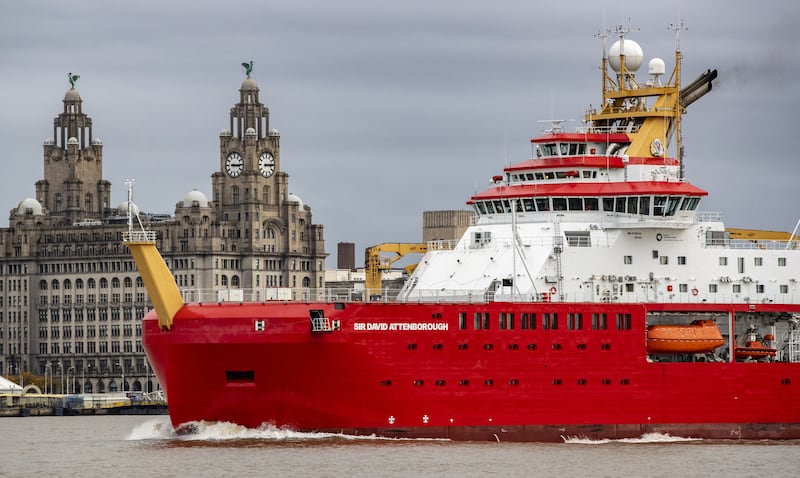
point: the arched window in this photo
(224, 281)
(79, 283)
(54, 284)
(139, 282)
(103, 283)
(42, 284)
(234, 281)
(67, 284)
(90, 284)
(128, 283)
(306, 282)
(115, 283)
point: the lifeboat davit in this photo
(701, 336)
(755, 350)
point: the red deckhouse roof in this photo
(638, 188)
(610, 162)
(583, 137)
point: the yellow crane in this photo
(760, 235)
(375, 263)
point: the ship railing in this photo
(744, 244)
(139, 236)
(708, 216)
(321, 324)
(750, 294)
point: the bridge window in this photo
(559, 204)
(591, 204)
(575, 204)
(528, 205)
(543, 204)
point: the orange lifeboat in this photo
(701, 336)
(754, 349)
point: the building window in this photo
(723, 261)
(712, 288)
(663, 260)
(682, 260)
(758, 261)
(627, 260)
(781, 262)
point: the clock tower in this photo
(261, 222)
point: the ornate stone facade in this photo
(71, 300)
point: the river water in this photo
(146, 446)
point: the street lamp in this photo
(122, 374)
(62, 376)
(72, 388)
(47, 367)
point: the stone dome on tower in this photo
(249, 84)
(29, 206)
(72, 95)
(195, 198)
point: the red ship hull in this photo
(422, 370)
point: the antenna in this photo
(677, 28)
(129, 183)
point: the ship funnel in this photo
(696, 89)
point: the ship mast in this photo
(677, 29)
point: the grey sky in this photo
(387, 109)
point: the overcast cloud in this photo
(388, 109)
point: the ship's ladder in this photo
(558, 246)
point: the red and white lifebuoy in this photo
(553, 290)
(695, 291)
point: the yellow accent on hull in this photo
(157, 277)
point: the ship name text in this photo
(400, 326)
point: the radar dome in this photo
(195, 198)
(122, 209)
(29, 206)
(633, 55)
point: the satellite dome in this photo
(656, 67)
(72, 140)
(29, 206)
(195, 198)
(295, 198)
(633, 55)
(122, 209)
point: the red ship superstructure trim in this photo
(591, 297)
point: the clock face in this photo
(234, 165)
(266, 164)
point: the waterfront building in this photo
(71, 300)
